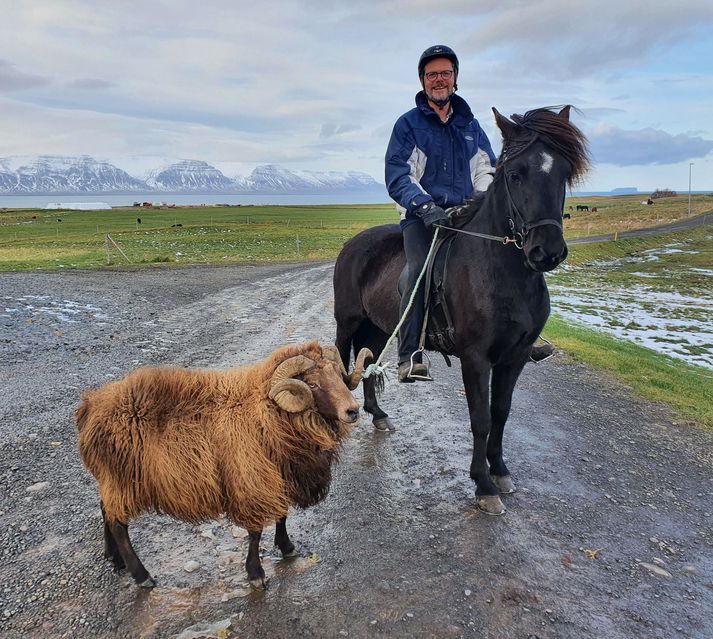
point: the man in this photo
(437, 156)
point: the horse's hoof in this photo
(149, 582)
(490, 504)
(505, 484)
(260, 583)
(384, 424)
(292, 553)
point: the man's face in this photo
(438, 88)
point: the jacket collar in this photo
(461, 111)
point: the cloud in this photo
(91, 84)
(13, 80)
(330, 130)
(578, 39)
(612, 145)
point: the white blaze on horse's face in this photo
(547, 162)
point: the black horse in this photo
(496, 292)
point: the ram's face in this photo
(331, 396)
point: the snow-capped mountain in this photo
(44, 175)
(189, 175)
(270, 178)
(62, 174)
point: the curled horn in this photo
(291, 395)
(332, 354)
(353, 380)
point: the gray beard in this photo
(441, 103)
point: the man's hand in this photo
(432, 214)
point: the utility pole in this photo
(690, 164)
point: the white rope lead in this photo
(377, 368)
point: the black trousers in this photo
(417, 241)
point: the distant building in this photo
(79, 206)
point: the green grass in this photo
(626, 213)
(35, 239)
(206, 235)
(653, 376)
(620, 263)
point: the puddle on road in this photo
(217, 589)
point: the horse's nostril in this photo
(537, 254)
(352, 414)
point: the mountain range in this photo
(64, 175)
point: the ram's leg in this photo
(256, 575)
(282, 539)
(111, 550)
(120, 532)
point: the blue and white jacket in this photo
(431, 160)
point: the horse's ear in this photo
(564, 113)
(507, 128)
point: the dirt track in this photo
(606, 484)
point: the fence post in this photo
(298, 243)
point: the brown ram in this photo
(249, 442)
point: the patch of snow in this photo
(666, 322)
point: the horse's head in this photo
(543, 153)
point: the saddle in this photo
(437, 325)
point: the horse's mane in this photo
(557, 132)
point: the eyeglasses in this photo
(432, 75)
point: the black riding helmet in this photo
(437, 51)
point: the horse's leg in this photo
(501, 389)
(476, 378)
(256, 575)
(373, 338)
(282, 539)
(120, 533)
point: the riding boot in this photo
(411, 367)
(416, 244)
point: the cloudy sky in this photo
(318, 85)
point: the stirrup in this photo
(542, 353)
(426, 377)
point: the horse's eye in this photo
(514, 176)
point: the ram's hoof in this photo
(504, 483)
(149, 582)
(490, 504)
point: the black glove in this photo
(432, 214)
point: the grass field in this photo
(32, 239)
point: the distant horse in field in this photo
(496, 292)
(582, 207)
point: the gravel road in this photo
(609, 535)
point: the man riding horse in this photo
(438, 156)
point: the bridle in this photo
(518, 236)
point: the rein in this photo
(517, 238)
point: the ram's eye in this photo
(312, 384)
